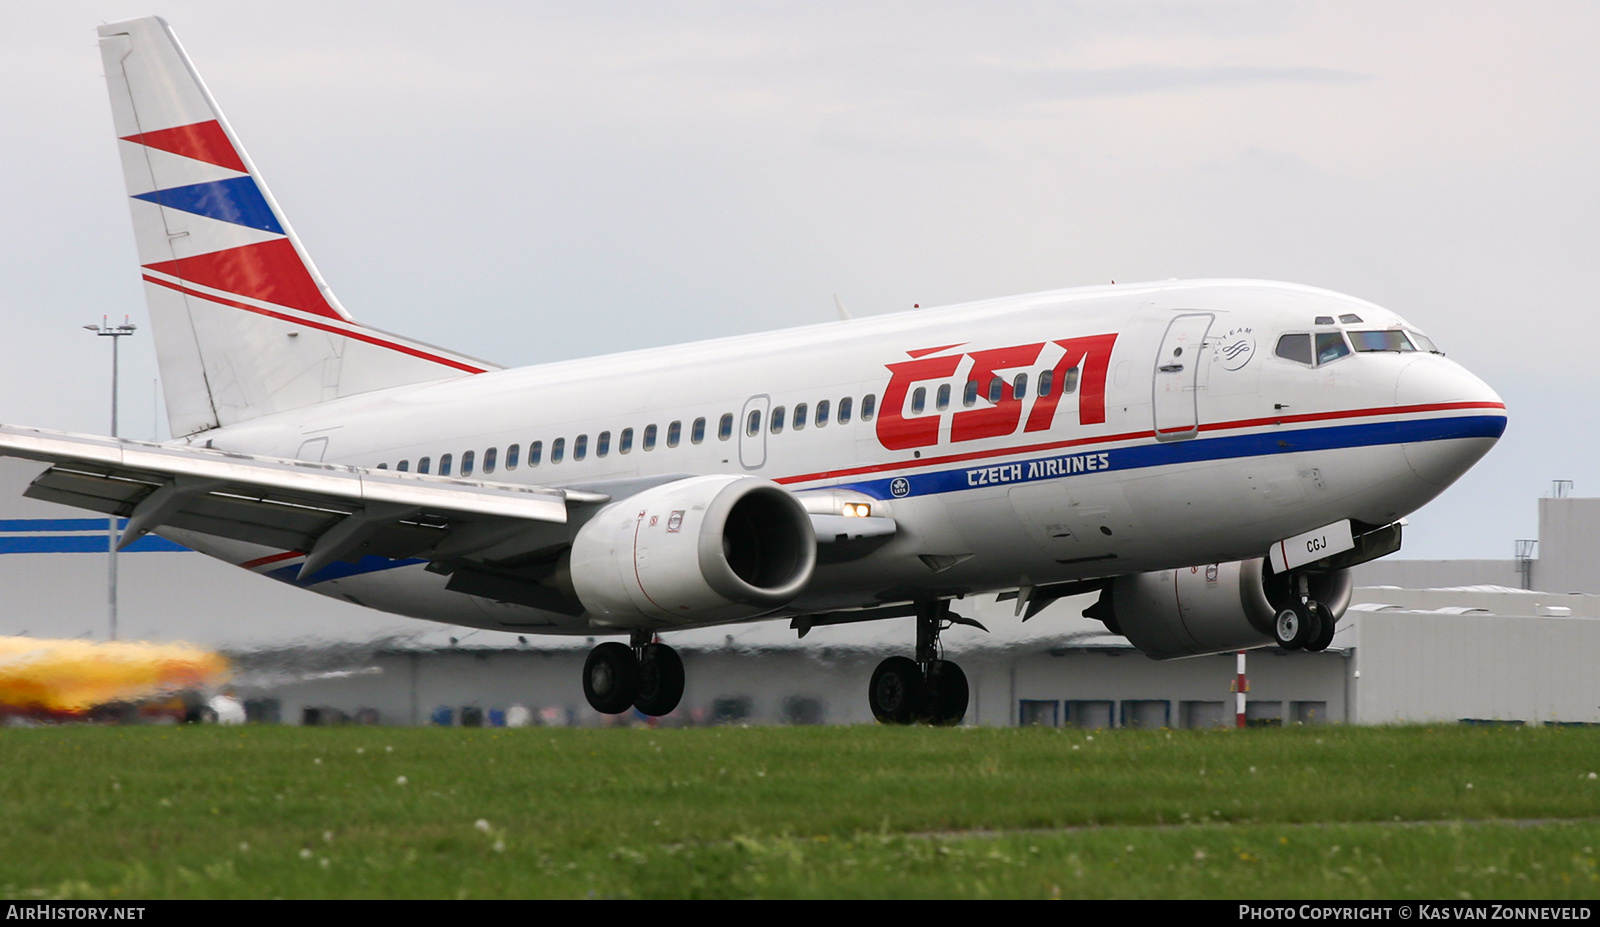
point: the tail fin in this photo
(244, 324)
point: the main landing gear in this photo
(1305, 623)
(926, 689)
(641, 674)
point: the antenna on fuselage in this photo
(844, 314)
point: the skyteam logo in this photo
(1236, 349)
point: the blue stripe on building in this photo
(93, 538)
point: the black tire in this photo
(1325, 628)
(1310, 625)
(660, 680)
(611, 678)
(895, 692)
(944, 696)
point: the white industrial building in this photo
(1487, 650)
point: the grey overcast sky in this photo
(534, 181)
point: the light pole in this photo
(115, 332)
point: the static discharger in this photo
(72, 676)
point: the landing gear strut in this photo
(928, 689)
(646, 675)
(1305, 624)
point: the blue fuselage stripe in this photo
(1192, 450)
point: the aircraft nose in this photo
(1432, 379)
(1464, 417)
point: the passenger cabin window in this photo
(969, 396)
(752, 425)
(580, 447)
(511, 456)
(844, 411)
(1296, 348)
(725, 427)
(1330, 347)
(489, 458)
(649, 437)
(602, 444)
(674, 434)
(1392, 340)
(625, 441)
(445, 461)
(800, 411)
(777, 420)
(1046, 377)
(919, 399)
(1019, 386)
(869, 402)
(558, 450)
(995, 385)
(535, 451)
(822, 413)
(424, 464)
(1069, 381)
(941, 400)
(468, 460)
(697, 431)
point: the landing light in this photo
(858, 509)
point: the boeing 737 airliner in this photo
(1209, 456)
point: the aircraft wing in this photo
(331, 511)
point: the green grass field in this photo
(1328, 812)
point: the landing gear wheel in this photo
(1298, 625)
(1287, 627)
(611, 678)
(895, 692)
(1325, 628)
(660, 680)
(1310, 624)
(944, 695)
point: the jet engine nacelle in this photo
(706, 548)
(1217, 608)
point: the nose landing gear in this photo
(926, 690)
(646, 675)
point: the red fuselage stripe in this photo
(272, 558)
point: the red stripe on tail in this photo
(270, 271)
(202, 141)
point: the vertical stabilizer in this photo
(244, 324)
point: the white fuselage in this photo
(1208, 454)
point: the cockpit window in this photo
(1330, 347)
(1324, 320)
(1424, 343)
(1296, 348)
(1390, 340)
(1350, 318)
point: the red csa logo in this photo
(1083, 360)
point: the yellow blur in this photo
(75, 676)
